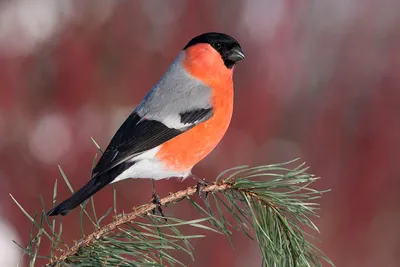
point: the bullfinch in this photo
(178, 123)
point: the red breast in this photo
(184, 151)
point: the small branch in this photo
(276, 201)
(142, 210)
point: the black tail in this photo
(81, 195)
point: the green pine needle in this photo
(270, 204)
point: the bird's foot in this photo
(155, 199)
(200, 187)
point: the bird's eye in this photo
(217, 45)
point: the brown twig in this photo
(142, 210)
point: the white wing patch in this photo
(174, 121)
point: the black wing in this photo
(137, 135)
(195, 116)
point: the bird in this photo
(178, 123)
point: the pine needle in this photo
(270, 204)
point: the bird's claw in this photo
(155, 199)
(200, 187)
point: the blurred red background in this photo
(320, 81)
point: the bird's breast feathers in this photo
(184, 151)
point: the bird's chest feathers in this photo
(187, 149)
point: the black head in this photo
(227, 46)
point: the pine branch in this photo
(142, 210)
(270, 204)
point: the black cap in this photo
(227, 46)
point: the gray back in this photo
(176, 92)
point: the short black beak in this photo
(236, 54)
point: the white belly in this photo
(147, 166)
